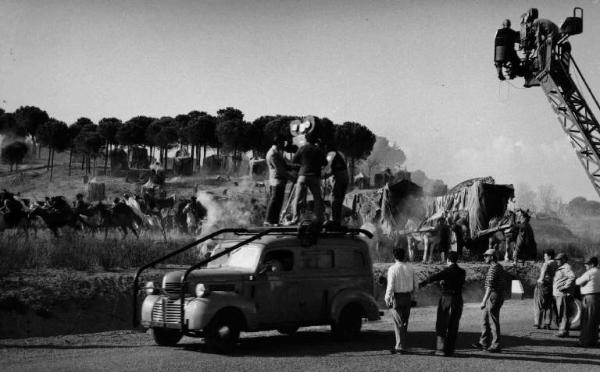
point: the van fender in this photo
(347, 296)
(201, 310)
(146, 311)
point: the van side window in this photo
(279, 260)
(349, 259)
(317, 259)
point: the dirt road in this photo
(311, 349)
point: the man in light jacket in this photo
(562, 290)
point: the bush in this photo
(85, 252)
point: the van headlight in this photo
(201, 290)
(149, 288)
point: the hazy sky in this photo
(418, 72)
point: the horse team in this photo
(127, 213)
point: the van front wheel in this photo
(349, 323)
(223, 333)
(166, 337)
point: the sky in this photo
(420, 73)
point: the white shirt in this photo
(400, 279)
(589, 281)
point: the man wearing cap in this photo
(491, 304)
(450, 305)
(562, 290)
(590, 314)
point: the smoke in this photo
(9, 137)
(240, 206)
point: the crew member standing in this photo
(278, 177)
(547, 34)
(590, 314)
(491, 304)
(543, 302)
(401, 284)
(311, 160)
(339, 173)
(450, 305)
(507, 37)
(562, 289)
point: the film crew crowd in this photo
(554, 294)
(309, 161)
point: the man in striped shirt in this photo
(491, 304)
(401, 285)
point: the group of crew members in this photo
(545, 35)
(553, 298)
(309, 161)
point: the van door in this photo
(277, 289)
(317, 281)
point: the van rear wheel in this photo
(349, 323)
(166, 336)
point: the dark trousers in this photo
(563, 305)
(340, 185)
(490, 328)
(400, 313)
(449, 312)
(590, 319)
(275, 203)
(544, 307)
(313, 184)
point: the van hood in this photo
(207, 276)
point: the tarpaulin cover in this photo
(482, 201)
(389, 206)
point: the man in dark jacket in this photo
(339, 174)
(311, 160)
(450, 305)
(506, 38)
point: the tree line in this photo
(226, 133)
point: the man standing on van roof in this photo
(450, 305)
(278, 177)
(311, 160)
(491, 304)
(401, 282)
(339, 173)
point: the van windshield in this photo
(245, 257)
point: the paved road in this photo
(311, 349)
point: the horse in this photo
(525, 245)
(505, 238)
(55, 219)
(118, 216)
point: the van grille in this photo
(166, 311)
(172, 289)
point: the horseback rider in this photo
(195, 208)
(14, 210)
(80, 204)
